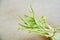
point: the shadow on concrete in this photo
(33, 37)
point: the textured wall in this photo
(11, 9)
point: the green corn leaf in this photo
(40, 27)
(58, 29)
(32, 11)
(23, 20)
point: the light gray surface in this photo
(11, 9)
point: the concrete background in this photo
(11, 9)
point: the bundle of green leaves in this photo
(40, 27)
